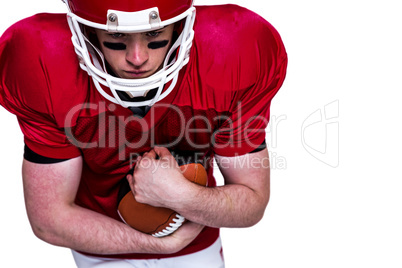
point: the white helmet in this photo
(131, 16)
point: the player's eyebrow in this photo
(151, 45)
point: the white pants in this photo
(210, 257)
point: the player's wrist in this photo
(148, 244)
(188, 199)
(182, 237)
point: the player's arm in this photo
(241, 202)
(50, 191)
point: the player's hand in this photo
(182, 237)
(157, 179)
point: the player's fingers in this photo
(162, 152)
(165, 155)
(137, 164)
(151, 154)
(137, 161)
(147, 160)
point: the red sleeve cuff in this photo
(65, 152)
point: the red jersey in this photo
(220, 104)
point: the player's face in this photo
(135, 55)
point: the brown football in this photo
(156, 221)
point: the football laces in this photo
(178, 221)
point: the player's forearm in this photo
(50, 190)
(84, 230)
(241, 202)
(225, 206)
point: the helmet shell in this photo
(97, 11)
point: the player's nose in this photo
(137, 53)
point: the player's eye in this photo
(117, 35)
(153, 33)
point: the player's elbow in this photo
(249, 219)
(44, 232)
(45, 227)
(39, 232)
(259, 211)
(256, 218)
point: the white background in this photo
(336, 184)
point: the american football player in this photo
(117, 88)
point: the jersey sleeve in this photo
(259, 68)
(25, 90)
